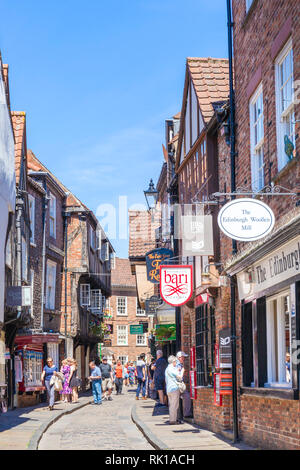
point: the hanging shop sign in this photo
(246, 219)
(197, 235)
(201, 299)
(217, 389)
(136, 329)
(193, 390)
(225, 360)
(152, 304)
(176, 284)
(165, 332)
(154, 259)
(275, 268)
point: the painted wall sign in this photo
(176, 284)
(273, 269)
(246, 219)
(136, 329)
(154, 259)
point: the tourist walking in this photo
(49, 370)
(66, 392)
(141, 377)
(74, 380)
(184, 396)
(131, 373)
(95, 378)
(159, 368)
(119, 374)
(172, 387)
(126, 378)
(107, 379)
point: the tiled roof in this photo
(211, 81)
(19, 127)
(142, 232)
(121, 275)
(177, 116)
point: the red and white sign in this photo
(201, 299)
(192, 357)
(176, 284)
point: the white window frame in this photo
(85, 295)
(31, 201)
(96, 299)
(32, 287)
(143, 314)
(272, 360)
(121, 314)
(8, 251)
(50, 295)
(138, 339)
(257, 140)
(126, 359)
(285, 117)
(52, 215)
(123, 342)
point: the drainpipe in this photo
(45, 206)
(234, 244)
(66, 215)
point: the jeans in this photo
(97, 392)
(50, 392)
(119, 384)
(141, 384)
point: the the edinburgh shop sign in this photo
(246, 219)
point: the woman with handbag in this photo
(174, 386)
(49, 371)
(74, 381)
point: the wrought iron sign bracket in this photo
(271, 190)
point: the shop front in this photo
(31, 352)
(269, 294)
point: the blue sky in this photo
(98, 78)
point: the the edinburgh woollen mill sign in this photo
(246, 219)
(176, 284)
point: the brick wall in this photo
(265, 421)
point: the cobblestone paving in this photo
(106, 426)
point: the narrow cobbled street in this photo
(93, 427)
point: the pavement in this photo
(153, 422)
(22, 428)
(123, 423)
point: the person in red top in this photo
(119, 374)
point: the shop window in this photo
(123, 359)
(205, 344)
(278, 341)
(52, 351)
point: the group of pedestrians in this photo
(65, 381)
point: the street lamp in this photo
(151, 195)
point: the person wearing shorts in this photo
(107, 379)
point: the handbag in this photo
(181, 385)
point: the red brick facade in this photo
(124, 287)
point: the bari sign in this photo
(176, 284)
(246, 219)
